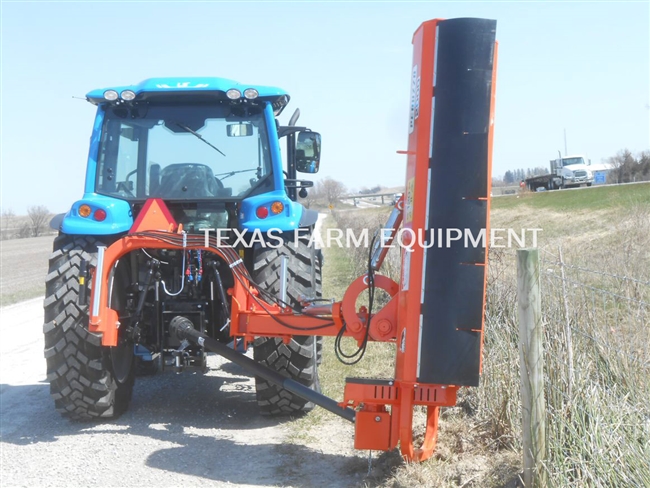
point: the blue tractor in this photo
(209, 148)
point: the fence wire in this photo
(606, 310)
(603, 317)
(596, 323)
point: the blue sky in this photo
(583, 67)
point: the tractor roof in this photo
(201, 86)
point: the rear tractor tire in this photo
(299, 359)
(87, 380)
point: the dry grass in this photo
(598, 429)
(466, 456)
(597, 435)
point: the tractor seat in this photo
(186, 181)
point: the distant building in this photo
(600, 171)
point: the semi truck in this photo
(566, 172)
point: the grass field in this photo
(594, 198)
(603, 228)
(23, 267)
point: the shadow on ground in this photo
(198, 425)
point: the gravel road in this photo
(186, 429)
(180, 429)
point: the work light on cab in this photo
(251, 93)
(233, 94)
(111, 95)
(127, 95)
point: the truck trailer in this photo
(566, 172)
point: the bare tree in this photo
(331, 189)
(24, 231)
(38, 216)
(7, 219)
(644, 166)
(623, 167)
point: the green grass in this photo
(378, 362)
(336, 268)
(338, 273)
(568, 200)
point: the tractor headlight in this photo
(233, 94)
(110, 95)
(251, 93)
(127, 95)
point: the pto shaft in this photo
(183, 328)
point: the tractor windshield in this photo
(182, 152)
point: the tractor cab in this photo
(209, 147)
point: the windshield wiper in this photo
(194, 133)
(233, 173)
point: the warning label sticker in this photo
(410, 193)
(415, 98)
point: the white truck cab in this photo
(571, 171)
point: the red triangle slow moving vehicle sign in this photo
(154, 216)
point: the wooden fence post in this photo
(532, 367)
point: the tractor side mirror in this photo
(243, 129)
(308, 152)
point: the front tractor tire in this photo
(87, 380)
(299, 359)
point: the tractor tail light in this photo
(84, 210)
(99, 215)
(262, 212)
(277, 207)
